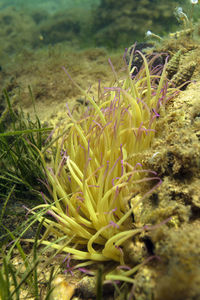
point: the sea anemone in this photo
(96, 170)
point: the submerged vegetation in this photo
(14, 277)
(20, 170)
(19, 160)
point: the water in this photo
(81, 23)
(38, 38)
(48, 4)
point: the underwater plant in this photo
(20, 164)
(96, 170)
(17, 275)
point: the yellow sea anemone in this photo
(92, 179)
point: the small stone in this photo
(62, 290)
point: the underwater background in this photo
(37, 40)
(113, 24)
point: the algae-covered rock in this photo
(179, 275)
(17, 31)
(116, 23)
